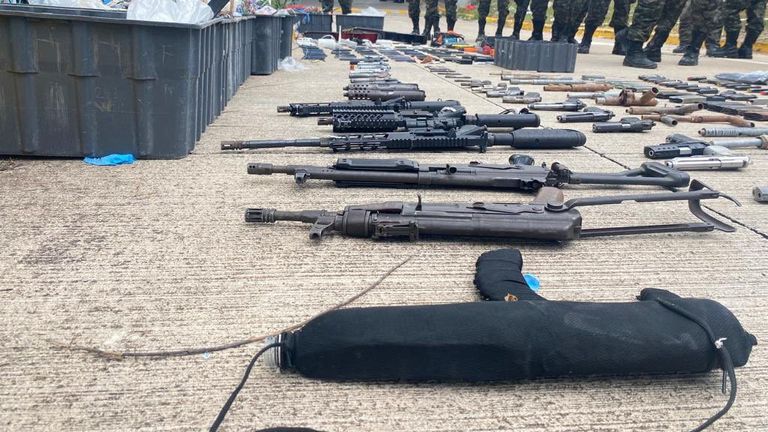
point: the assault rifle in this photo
(399, 105)
(448, 118)
(520, 174)
(465, 137)
(547, 217)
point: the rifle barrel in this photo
(269, 215)
(265, 144)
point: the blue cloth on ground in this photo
(111, 160)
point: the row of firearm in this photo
(510, 334)
(438, 125)
(641, 99)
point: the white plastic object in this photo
(87, 4)
(327, 42)
(179, 11)
(370, 11)
(290, 64)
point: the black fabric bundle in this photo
(524, 337)
(516, 334)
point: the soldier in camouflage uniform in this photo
(705, 19)
(664, 26)
(432, 16)
(539, 12)
(593, 14)
(732, 24)
(647, 14)
(414, 11)
(483, 9)
(684, 32)
(346, 6)
(684, 29)
(619, 22)
(566, 22)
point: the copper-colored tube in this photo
(588, 87)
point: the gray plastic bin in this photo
(315, 22)
(266, 44)
(364, 21)
(540, 56)
(286, 35)
(78, 82)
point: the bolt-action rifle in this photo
(547, 217)
(347, 172)
(465, 137)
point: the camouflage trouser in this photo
(755, 15)
(594, 12)
(685, 27)
(669, 16)
(538, 9)
(647, 15)
(567, 14)
(433, 13)
(704, 15)
(620, 17)
(484, 8)
(346, 6)
(414, 9)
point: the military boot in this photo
(570, 35)
(415, 22)
(620, 42)
(451, 23)
(745, 51)
(730, 49)
(653, 48)
(680, 49)
(516, 28)
(500, 26)
(586, 41)
(691, 56)
(427, 29)
(712, 46)
(481, 29)
(636, 57)
(538, 30)
(556, 30)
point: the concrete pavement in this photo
(156, 256)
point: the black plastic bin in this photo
(80, 82)
(364, 21)
(266, 44)
(315, 22)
